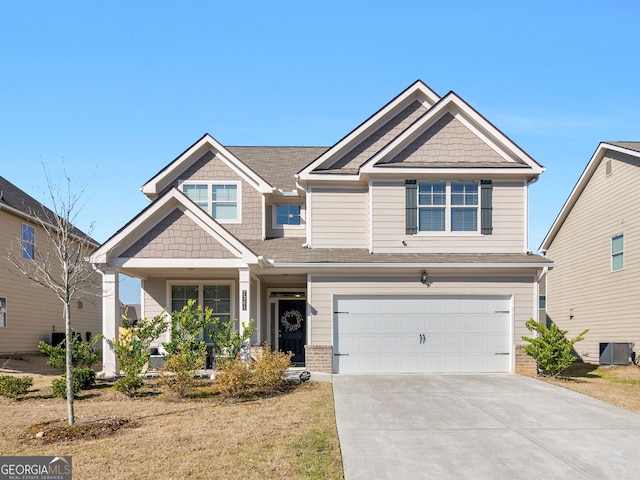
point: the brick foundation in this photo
(319, 358)
(525, 364)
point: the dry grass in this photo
(616, 385)
(287, 436)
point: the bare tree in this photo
(60, 261)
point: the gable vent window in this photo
(221, 200)
(617, 253)
(608, 168)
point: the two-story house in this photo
(402, 248)
(594, 241)
(30, 313)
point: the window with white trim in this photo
(287, 216)
(28, 242)
(3, 312)
(448, 206)
(221, 200)
(216, 296)
(617, 253)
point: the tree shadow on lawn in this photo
(578, 371)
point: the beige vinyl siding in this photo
(520, 288)
(33, 312)
(583, 283)
(339, 218)
(509, 217)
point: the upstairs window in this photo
(221, 200)
(287, 216)
(28, 242)
(617, 253)
(448, 206)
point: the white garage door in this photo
(405, 334)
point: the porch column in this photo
(110, 321)
(245, 298)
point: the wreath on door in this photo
(291, 320)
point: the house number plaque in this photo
(244, 300)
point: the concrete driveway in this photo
(480, 427)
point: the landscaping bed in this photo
(291, 434)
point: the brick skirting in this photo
(525, 364)
(319, 358)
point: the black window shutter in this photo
(411, 197)
(486, 209)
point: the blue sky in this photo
(113, 91)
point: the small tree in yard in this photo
(186, 349)
(228, 342)
(550, 348)
(60, 261)
(132, 350)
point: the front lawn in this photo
(291, 435)
(616, 385)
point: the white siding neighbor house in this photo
(595, 241)
(401, 248)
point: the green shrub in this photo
(178, 373)
(228, 341)
(550, 348)
(14, 387)
(263, 376)
(82, 353)
(82, 379)
(128, 385)
(132, 350)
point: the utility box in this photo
(616, 353)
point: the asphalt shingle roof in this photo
(278, 165)
(290, 250)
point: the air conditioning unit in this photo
(616, 353)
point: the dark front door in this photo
(292, 328)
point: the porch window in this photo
(448, 206)
(28, 242)
(617, 253)
(217, 297)
(221, 200)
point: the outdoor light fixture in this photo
(424, 278)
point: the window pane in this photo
(464, 219)
(618, 261)
(225, 211)
(432, 193)
(197, 193)
(542, 302)
(224, 193)
(288, 214)
(464, 193)
(180, 294)
(617, 244)
(431, 219)
(28, 241)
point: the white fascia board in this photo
(425, 265)
(194, 263)
(145, 220)
(417, 90)
(453, 104)
(206, 143)
(579, 187)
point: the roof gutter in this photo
(476, 266)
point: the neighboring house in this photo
(29, 312)
(595, 241)
(402, 248)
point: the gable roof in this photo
(154, 214)
(154, 186)
(629, 148)
(408, 134)
(380, 127)
(22, 204)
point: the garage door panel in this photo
(422, 334)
